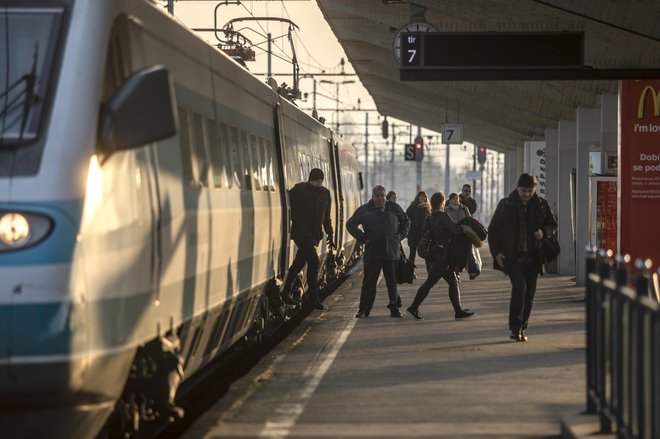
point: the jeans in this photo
(306, 254)
(372, 270)
(438, 269)
(523, 276)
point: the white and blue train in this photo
(143, 211)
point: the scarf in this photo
(522, 226)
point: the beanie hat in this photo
(527, 180)
(315, 174)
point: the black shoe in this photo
(289, 300)
(415, 313)
(473, 276)
(463, 314)
(518, 335)
(361, 314)
(394, 312)
(316, 304)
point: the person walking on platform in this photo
(391, 197)
(456, 210)
(515, 233)
(418, 211)
(466, 198)
(310, 209)
(384, 225)
(442, 229)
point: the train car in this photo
(144, 220)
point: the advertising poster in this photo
(639, 169)
(605, 220)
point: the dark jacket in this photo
(382, 230)
(443, 229)
(310, 209)
(418, 213)
(503, 231)
(468, 202)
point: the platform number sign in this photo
(452, 133)
(409, 152)
(411, 49)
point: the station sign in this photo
(452, 133)
(473, 175)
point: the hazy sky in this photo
(317, 50)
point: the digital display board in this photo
(492, 50)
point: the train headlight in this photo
(19, 230)
(14, 229)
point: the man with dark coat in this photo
(310, 209)
(466, 199)
(515, 235)
(384, 225)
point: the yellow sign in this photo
(642, 102)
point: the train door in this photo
(280, 153)
(339, 194)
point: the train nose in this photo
(41, 343)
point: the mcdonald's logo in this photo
(642, 102)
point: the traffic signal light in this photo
(385, 128)
(481, 155)
(419, 148)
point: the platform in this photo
(382, 377)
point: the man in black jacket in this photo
(466, 199)
(515, 235)
(310, 209)
(384, 225)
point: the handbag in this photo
(549, 248)
(474, 263)
(405, 272)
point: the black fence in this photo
(623, 345)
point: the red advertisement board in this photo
(639, 169)
(606, 206)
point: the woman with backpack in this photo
(441, 229)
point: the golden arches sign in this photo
(642, 101)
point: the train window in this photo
(246, 161)
(224, 164)
(215, 148)
(309, 162)
(256, 167)
(201, 158)
(265, 158)
(302, 167)
(186, 154)
(236, 158)
(272, 166)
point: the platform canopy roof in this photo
(618, 34)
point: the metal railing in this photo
(623, 345)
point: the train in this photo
(144, 214)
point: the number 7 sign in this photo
(452, 133)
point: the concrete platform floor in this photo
(382, 377)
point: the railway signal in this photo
(419, 148)
(481, 155)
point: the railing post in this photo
(655, 378)
(601, 339)
(590, 330)
(616, 326)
